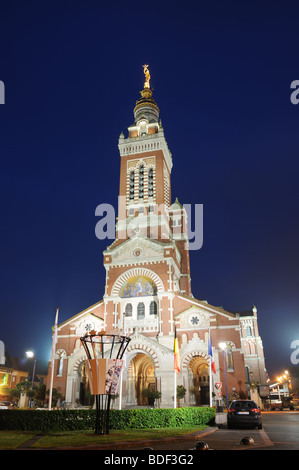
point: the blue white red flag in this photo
(213, 366)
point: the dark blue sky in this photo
(221, 73)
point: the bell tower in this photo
(148, 263)
(146, 163)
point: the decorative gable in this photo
(137, 249)
(194, 318)
(87, 323)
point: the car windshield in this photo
(245, 405)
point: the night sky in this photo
(221, 73)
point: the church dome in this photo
(146, 108)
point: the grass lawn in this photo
(12, 439)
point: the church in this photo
(148, 294)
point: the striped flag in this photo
(176, 352)
(213, 367)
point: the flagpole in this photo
(210, 375)
(210, 372)
(174, 392)
(122, 370)
(54, 341)
(176, 365)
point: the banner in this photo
(103, 375)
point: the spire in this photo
(146, 108)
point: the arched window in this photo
(229, 359)
(153, 308)
(61, 354)
(248, 331)
(132, 185)
(150, 182)
(140, 310)
(141, 181)
(128, 310)
(247, 374)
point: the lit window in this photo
(132, 184)
(248, 331)
(153, 308)
(140, 310)
(150, 182)
(229, 359)
(128, 310)
(141, 182)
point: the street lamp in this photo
(30, 355)
(223, 347)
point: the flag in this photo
(213, 367)
(54, 341)
(176, 353)
(54, 337)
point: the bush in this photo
(70, 420)
(142, 419)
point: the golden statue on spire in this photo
(147, 76)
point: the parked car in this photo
(244, 413)
(4, 405)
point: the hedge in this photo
(70, 420)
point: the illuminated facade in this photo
(148, 290)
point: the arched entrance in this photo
(198, 372)
(141, 375)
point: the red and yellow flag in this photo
(176, 353)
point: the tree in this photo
(180, 393)
(55, 395)
(22, 388)
(40, 393)
(151, 395)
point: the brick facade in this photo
(148, 291)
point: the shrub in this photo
(70, 420)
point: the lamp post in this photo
(30, 355)
(223, 347)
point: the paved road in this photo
(282, 429)
(280, 432)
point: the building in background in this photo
(148, 291)
(14, 371)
